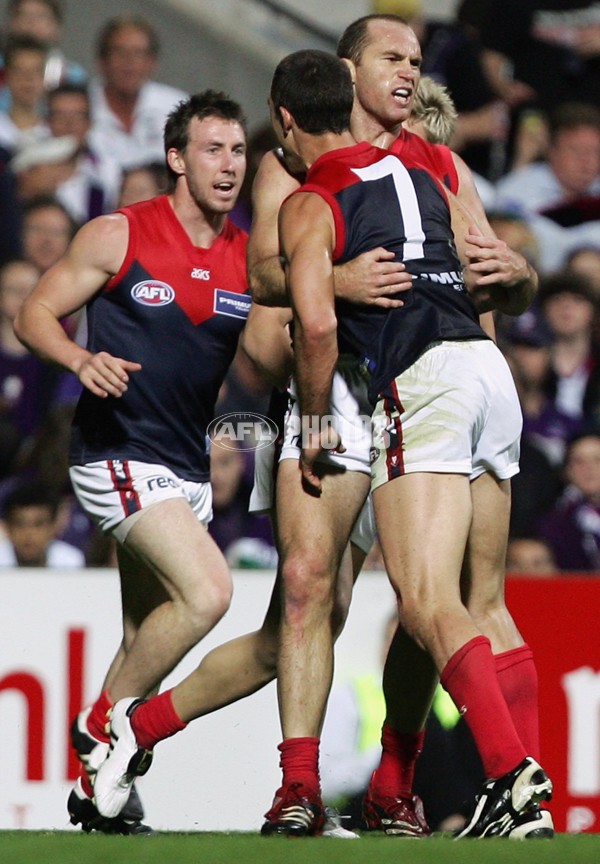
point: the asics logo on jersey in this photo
(151, 292)
(199, 273)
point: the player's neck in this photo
(310, 147)
(365, 127)
(202, 226)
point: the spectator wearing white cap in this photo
(37, 169)
(94, 179)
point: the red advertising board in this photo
(559, 618)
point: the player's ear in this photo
(175, 160)
(286, 120)
(351, 67)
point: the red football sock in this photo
(97, 720)
(470, 678)
(395, 775)
(518, 681)
(299, 762)
(156, 719)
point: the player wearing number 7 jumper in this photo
(447, 421)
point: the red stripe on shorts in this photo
(394, 458)
(123, 484)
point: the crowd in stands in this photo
(78, 143)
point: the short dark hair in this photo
(564, 281)
(209, 103)
(157, 170)
(68, 88)
(17, 43)
(355, 37)
(120, 22)
(573, 115)
(45, 202)
(34, 494)
(55, 7)
(316, 88)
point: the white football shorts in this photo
(115, 493)
(455, 410)
(351, 416)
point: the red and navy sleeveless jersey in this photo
(377, 201)
(177, 309)
(415, 152)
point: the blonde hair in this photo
(433, 113)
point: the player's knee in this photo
(209, 603)
(307, 583)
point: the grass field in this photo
(39, 847)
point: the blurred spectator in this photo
(37, 170)
(24, 121)
(142, 182)
(30, 513)
(534, 489)
(585, 260)
(570, 307)
(567, 181)
(529, 556)
(90, 186)
(47, 231)
(128, 108)
(48, 463)
(572, 527)
(542, 52)
(245, 539)
(42, 19)
(528, 346)
(452, 56)
(26, 384)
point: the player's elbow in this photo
(318, 328)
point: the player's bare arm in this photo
(490, 261)
(373, 278)
(266, 341)
(266, 276)
(95, 254)
(307, 237)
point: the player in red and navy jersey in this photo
(384, 58)
(164, 285)
(315, 537)
(446, 429)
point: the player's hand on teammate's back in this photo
(106, 375)
(374, 278)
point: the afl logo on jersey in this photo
(151, 292)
